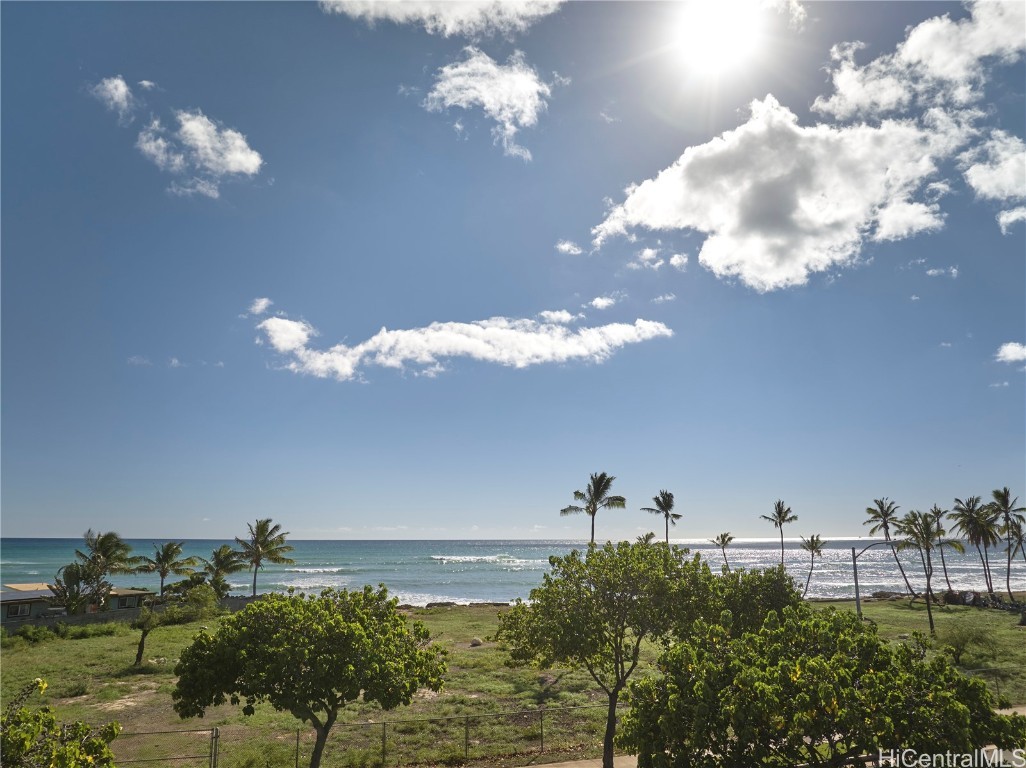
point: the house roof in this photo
(24, 596)
(32, 587)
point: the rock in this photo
(475, 642)
(441, 605)
(884, 595)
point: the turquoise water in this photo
(418, 572)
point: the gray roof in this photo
(30, 596)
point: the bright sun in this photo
(717, 37)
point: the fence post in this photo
(297, 748)
(215, 741)
(466, 737)
(541, 725)
(384, 736)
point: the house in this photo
(20, 602)
(24, 602)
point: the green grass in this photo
(92, 678)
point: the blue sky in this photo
(416, 270)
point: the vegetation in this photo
(723, 541)
(814, 546)
(34, 738)
(223, 562)
(943, 543)
(977, 523)
(664, 506)
(595, 611)
(882, 516)
(1003, 508)
(77, 586)
(199, 602)
(167, 559)
(310, 656)
(265, 542)
(781, 516)
(811, 687)
(596, 496)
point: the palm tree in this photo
(664, 506)
(108, 553)
(1004, 506)
(979, 527)
(882, 517)
(781, 516)
(723, 541)
(78, 585)
(595, 498)
(223, 561)
(1019, 537)
(814, 546)
(919, 530)
(167, 559)
(939, 515)
(266, 542)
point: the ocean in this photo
(419, 572)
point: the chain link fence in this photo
(497, 738)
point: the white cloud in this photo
(646, 258)
(569, 247)
(139, 360)
(946, 344)
(115, 95)
(157, 148)
(259, 306)
(147, 85)
(511, 95)
(779, 201)
(664, 298)
(679, 261)
(603, 302)
(913, 297)
(998, 385)
(1011, 352)
(517, 343)
(202, 148)
(951, 272)
(174, 362)
(448, 18)
(1006, 219)
(557, 316)
(940, 62)
(996, 169)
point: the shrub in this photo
(34, 634)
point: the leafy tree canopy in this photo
(310, 656)
(594, 611)
(810, 687)
(34, 739)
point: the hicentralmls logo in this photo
(988, 758)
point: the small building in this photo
(120, 599)
(21, 602)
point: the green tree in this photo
(883, 516)
(595, 611)
(1004, 507)
(198, 602)
(781, 516)
(78, 585)
(108, 553)
(265, 542)
(919, 530)
(167, 559)
(34, 738)
(978, 524)
(223, 562)
(310, 656)
(943, 543)
(595, 497)
(664, 506)
(814, 546)
(811, 687)
(723, 541)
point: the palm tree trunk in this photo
(668, 541)
(781, 546)
(725, 563)
(1008, 571)
(986, 570)
(894, 552)
(929, 593)
(255, 569)
(945, 566)
(812, 565)
(593, 529)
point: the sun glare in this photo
(717, 37)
